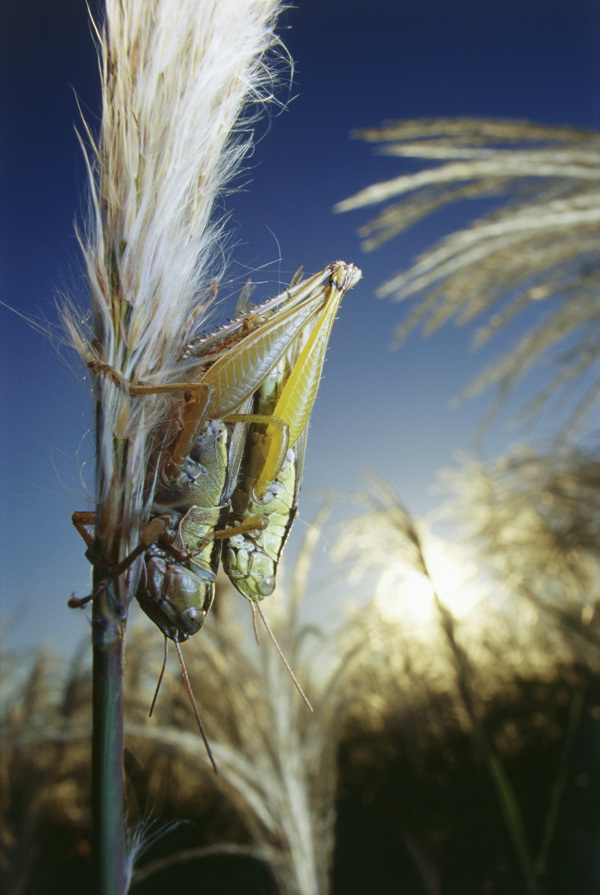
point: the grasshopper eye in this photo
(266, 586)
(191, 620)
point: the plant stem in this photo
(108, 817)
(502, 785)
(512, 817)
(558, 789)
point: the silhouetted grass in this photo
(454, 752)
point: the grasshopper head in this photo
(175, 597)
(250, 570)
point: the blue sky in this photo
(356, 64)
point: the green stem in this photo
(509, 805)
(512, 817)
(560, 784)
(108, 628)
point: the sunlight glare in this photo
(407, 595)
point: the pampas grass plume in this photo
(176, 77)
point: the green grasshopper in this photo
(181, 546)
(271, 470)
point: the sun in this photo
(406, 594)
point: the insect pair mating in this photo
(228, 487)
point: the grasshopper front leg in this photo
(84, 519)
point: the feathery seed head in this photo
(177, 76)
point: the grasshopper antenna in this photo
(188, 687)
(160, 678)
(254, 625)
(282, 657)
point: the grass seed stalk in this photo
(180, 83)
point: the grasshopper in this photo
(271, 472)
(200, 474)
(177, 585)
(261, 370)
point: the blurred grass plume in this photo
(537, 251)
